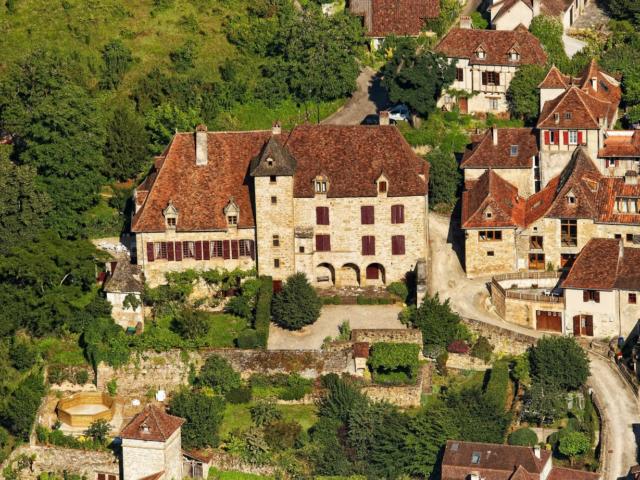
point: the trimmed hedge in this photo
(497, 389)
(394, 362)
(524, 437)
(263, 311)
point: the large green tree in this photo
(444, 178)
(203, 414)
(297, 305)
(559, 361)
(126, 150)
(417, 76)
(117, 60)
(523, 94)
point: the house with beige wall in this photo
(486, 61)
(508, 14)
(346, 205)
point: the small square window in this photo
(567, 115)
(514, 150)
(274, 200)
(617, 236)
(272, 178)
(571, 200)
(276, 263)
(491, 253)
(232, 219)
(475, 458)
(556, 117)
(488, 214)
(276, 240)
(632, 298)
(171, 221)
(301, 249)
(382, 187)
(629, 237)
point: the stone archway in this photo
(348, 276)
(325, 275)
(375, 275)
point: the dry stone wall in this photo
(504, 341)
(458, 361)
(389, 335)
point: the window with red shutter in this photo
(322, 215)
(323, 243)
(226, 250)
(234, 248)
(484, 78)
(367, 215)
(198, 250)
(397, 245)
(368, 245)
(206, 250)
(565, 137)
(150, 256)
(547, 139)
(188, 249)
(216, 249)
(178, 246)
(585, 295)
(579, 138)
(397, 214)
(170, 252)
(372, 272)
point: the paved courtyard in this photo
(311, 337)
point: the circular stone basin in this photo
(84, 408)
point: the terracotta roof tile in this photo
(555, 79)
(554, 8)
(463, 42)
(610, 189)
(569, 474)
(485, 154)
(539, 203)
(152, 424)
(396, 17)
(620, 146)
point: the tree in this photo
(265, 412)
(191, 324)
(625, 10)
(444, 178)
(545, 402)
(523, 94)
(297, 305)
(416, 76)
(549, 31)
(218, 374)
(117, 60)
(477, 418)
(183, 58)
(126, 150)
(98, 431)
(163, 121)
(21, 408)
(22, 354)
(203, 415)
(524, 437)
(573, 444)
(559, 361)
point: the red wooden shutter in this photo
(252, 249)
(576, 326)
(226, 250)
(579, 138)
(596, 296)
(206, 249)
(588, 321)
(547, 139)
(397, 214)
(322, 215)
(327, 243)
(365, 246)
(585, 295)
(393, 214)
(397, 245)
(565, 137)
(150, 252)
(368, 245)
(372, 272)
(178, 251)
(484, 82)
(170, 256)
(367, 215)
(319, 243)
(234, 248)
(198, 250)
(496, 78)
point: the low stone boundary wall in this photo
(458, 361)
(504, 341)
(403, 396)
(226, 462)
(390, 335)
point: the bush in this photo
(239, 395)
(263, 311)
(218, 374)
(248, 339)
(81, 377)
(482, 349)
(98, 431)
(333, 300)
(112, 387)
(458, 346)
(497, 389)
(265, 412)
(239, 306)
(23, 356)
(296, 388)
(56, 374)
(389, 358)
(297, 305)
(441, 363)
(524, 437)
(400, 290)
(281, 435)
(559, 361)
(191, 324)
(203, 414)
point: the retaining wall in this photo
(504, 341)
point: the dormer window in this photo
(571, 199)
(232, 213)
(382, 187)
(567, 115)
(232, 219)
(170, 216)
(556, 117)
(480, 53)
(144, 428)
(320, 185)
(513, 151)
(488, 213)
(270, 162)
(514, 56)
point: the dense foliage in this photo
(445, 178)
(203, 414)
(523, 94)
(524, 437)
(394, 362)
(218, 374)
(559, 361)
(297, 305)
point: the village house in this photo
(476, 461)
(383, 18)
(508, 14)
(346, 205)
(123, 290)
(486, 61)
(602, 288)
(620, 153)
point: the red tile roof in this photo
(604, 264)
(463, 43)
(610, 189)
(152, 424)
(395, 17)
(555, 79)
(352, 158)
(569, 474)
(484, 154)
(620, 146)
(555, 7)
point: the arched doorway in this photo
(349, 275)
(325, 275)
(375, 274)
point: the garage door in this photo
(550, 321)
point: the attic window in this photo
(170, 215)
(571, 200)
(488, 214)
(514, 150)
(144, 428)
(514, 56)
(556, 117)
(320, 185)
(475, 458)
(567, 115)
(270, 162)
(382, 187)
(480, 53)
(232, 220)
(171, 222)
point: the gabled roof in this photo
(555, 79)
(283, 162)
(463, 43)
(484, 154)
(620, 146)
(610, 189)
(152, 424)
(395, 17)
(126, 278)
(604, 264)
(492, 193)
(552, 8)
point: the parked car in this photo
(399, 113)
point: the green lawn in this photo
(215, 474)
(59, 351)
(239, 417)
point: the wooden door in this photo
(551, 321)
(463, 105)
(277, 286)
(576, 326)
(372, 272)
(588, 325)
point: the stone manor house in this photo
(346, 205)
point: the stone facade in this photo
(142, 458)
(484, 258)
(522, 178)
(409, 335)
(458, 361)
(505, 342)
(553, 158)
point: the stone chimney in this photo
(383, 117)
(536, 7)
(536, 451)
(494, 135)
(276, 128)
(202, 150)
(631, 177)
(594, 83)
(465, 21)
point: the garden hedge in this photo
(497, 389)
(524, 437)
(263, 311)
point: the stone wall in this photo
(404, 396)
(504, 341)
(485, 258)
(458, 361)
(521, 178)
(389, 335)
(58, 460)
(224, 461)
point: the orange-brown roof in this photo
(351, 157)
(555, 79)
(620, 146)
(610, 189)
(484, 154)
(152, 424)
(604, 264)
(558, 473)
(554, 8)
(401, 17)
(463, 43)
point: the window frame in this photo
(216, 248)
(275, 240)
(568, 232)
(632, 298)
(397, 214)
(232, 220)
(573, 137)
(368, 247)
(323, 242)
(489, 235)
(398, 245)
(367, 215)
(459, 74)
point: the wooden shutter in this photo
(234, 248)
(367, 215)
(252, 249)
(150, 257)
(588, 323)
(397, 245)
(178, 246)
(170, 255)
(372, 272)
(565, 137)
(322, 215)
(206, 250)
(199, 250)
(579, 138)
(226, 250)
(576, 326)
(368, 245)
(596, 296)
(547, 139)
(585, 296)
(496, 78)
(397, 214)
(484, 82)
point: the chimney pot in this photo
(202, 150)
(465, 21)
(494, 135)
(594, 83)
(276, 128)
(536, 451)
(383, 117)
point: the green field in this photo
(238, 416)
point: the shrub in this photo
(386, 358)
(265, 412)
(263, 310)
(399, 289)
(497, 389)
(203, 414)
(81, 377)
(281, 435)
(458, 346)
(573, 444)
(441, 363)
(56, 374)
(559, 361)
(218, 374)
(296, 388)
(112, 387)
(248, 339)
(239, 395)
(191, 324)
(333, 300)
(297, 305)
(23, 356)
(239, 306)
(98, 431)
(482, 349)
(345, 331)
